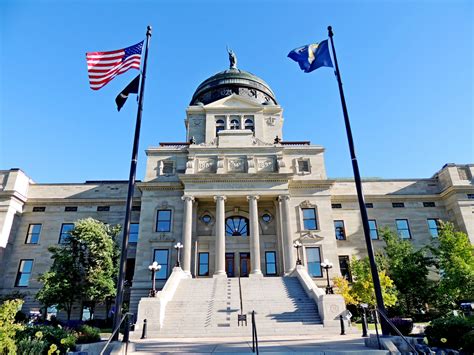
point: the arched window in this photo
(249, 124)
(236, 226)
(220, 125)
(234, 124)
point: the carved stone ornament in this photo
(270, 120)
(207, 165)
(196, 122)
(212, 142)
(265, 164)
(307, 204)
(164, 204)
(310, 237)
(256, 141)
(236, 164)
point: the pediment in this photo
(234, 101)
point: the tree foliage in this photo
(361, 290)
(409, 269)
(455, 257)
(84, 267)
(8, 327)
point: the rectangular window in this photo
(203, 264)
(161, 257)
(39, 209)
(163, 221)
(133, 236)
(344, 265)
(403, 228)
(313, 257)
(309, 219)
(65, 229)
(168, 167)
(336, 205)
(136, 208)
(470, 196)
(270, 263)
(33, 235)
(129, 271)
(24, 273)
(303, 166)
(429, 204)
(374, 232)
(369, 205)
(433, 226)
(70, 209)
(103, 208)
(339, 229)
(398, 204)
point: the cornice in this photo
(394, 198)
(310, 184)
(8, 194)
(232, 178)
(151, 186)
(451, 190)
(82, 201)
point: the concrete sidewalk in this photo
(328, 344)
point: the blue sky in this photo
(407, 69)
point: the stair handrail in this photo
(389, 322)
(254, 334)
(125, 335)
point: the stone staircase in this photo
(208, 307)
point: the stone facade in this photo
(236, 196)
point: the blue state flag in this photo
(312, 56)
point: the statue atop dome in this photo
(232, 59)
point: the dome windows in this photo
(248, 124)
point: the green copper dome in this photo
(233, 81)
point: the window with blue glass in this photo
(203, 264)
(24, 273)
(161, 257)
(163, 221)
(64, 234)
(236, 226)
(33, 235)
(340, 230)
(374, 232)
(403, 228)
(133, 235)
(309, 219)
(313, 257)
(434, 226)
(270, 263)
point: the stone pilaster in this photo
(287, 235)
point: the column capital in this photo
(252, 197)
(220, 198)
(283, 197)
(187, 198)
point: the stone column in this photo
(220, 236)
(287, 235)
(187, 232)
(254, 236)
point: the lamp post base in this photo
(329, 290)
(152, 293)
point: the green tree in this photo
(8, 327)
(84, 267)
(361, 290)
(455, 257)
(409, 269)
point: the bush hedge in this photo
(87, 334)
(404, 325)
(452, 332)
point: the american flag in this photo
(104, 66)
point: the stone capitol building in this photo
(237, 196)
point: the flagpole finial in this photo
(148, 30)
(330, 33)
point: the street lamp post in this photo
(178, 246)
(327, 265)
(153, 268)
(297, 244)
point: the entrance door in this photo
(229, 264)
(244, 264)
